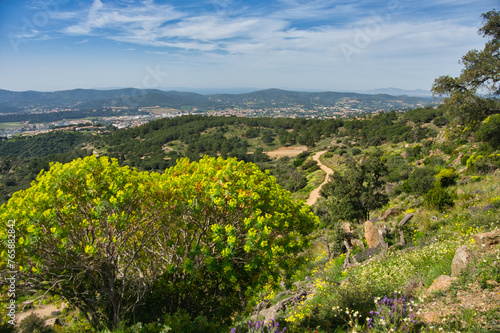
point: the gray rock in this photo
(461, 260)
(272, 312)
(394, 211)
(346, 226)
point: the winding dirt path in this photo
(313, 197)
(43, 311)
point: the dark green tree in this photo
(353, 194)
(489, 131)
(420, 181)
(473, 95)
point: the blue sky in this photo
(320, 45)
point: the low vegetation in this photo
(178, 228)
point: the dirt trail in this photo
(43, 311)
(313, 197)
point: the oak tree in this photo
(473, 95)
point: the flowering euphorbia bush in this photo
(105, 237)
(393, 314)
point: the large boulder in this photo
(346, 227)
(442, 283)
(461, 260)
(393, 211)
(487, 240)
(371, 234)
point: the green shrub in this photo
(34, 324)
(434, 161)
(440, 121)
(439, 198)
(356, 151)
(489, 131)
(463, 159)
(447, 177)
(7, 328)
(301, 158)
(310, 166)
(420, 181)
(483, 164)
(414, 153)
(475, 179)
(341, 151)
(398, 168)
(181, 321)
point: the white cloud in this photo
(298, 36)
(106, 20)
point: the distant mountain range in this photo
(398, 92)
(11, 101)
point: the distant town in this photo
(100, 124)
(31, 113)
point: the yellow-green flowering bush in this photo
(106, 238)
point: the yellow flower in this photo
(89, 249)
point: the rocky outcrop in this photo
(461, 260)
(487, 240)
(346, 227)
(442, 283)
(272, 312)
(393, 211)
(371, 234)
(402, 240)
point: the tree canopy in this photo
(203, 233)
(353, 194)
(474, 94)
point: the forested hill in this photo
(11, 101)
(158, 144)
(284, 98)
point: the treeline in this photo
(63, 115)
(204, 135)
(42, 145)
(157, 145)
(22, 158)
(148, 146)
(16, 173)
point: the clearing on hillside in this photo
(286, 151)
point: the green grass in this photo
(436, 237)
(314, 179)
(11, 125)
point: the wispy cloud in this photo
(291, 25)
(109, 19)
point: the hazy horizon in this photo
(243, 90)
